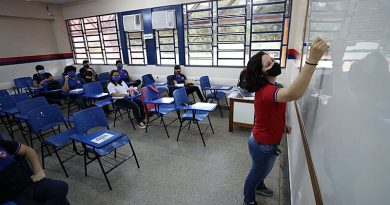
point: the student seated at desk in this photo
(71, 82)
(124, 74)
(18, 186)
(180, 79)
(87, 73)
(41, 76)
(119, 89)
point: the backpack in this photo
(52, 85)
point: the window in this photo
(136, 48)
(167, 47)
(228, 32)
(95, 39)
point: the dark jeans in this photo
(79, 101)
(136, 105)
(45, 192)
(263, 159)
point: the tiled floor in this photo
(174, 173)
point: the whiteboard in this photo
(346, 109)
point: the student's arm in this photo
(32, 158)
(49, 77)
(300, 84)
(65, 88)
(35, 83)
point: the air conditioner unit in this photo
(133, 23)
(164, 20)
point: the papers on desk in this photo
(179, 84)
(101, 138)
(78, 90)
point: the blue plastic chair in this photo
(46, 118)
(3, 93)
(104, 77)
(21, 83)
(159, 110)
(213, 95)
(149, 80)
(94, 117)
(94, 92)
(23, 108)
(192, 116)
(8, 111)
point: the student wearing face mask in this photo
(87, 73)
(120, 91)
(41, 76)
(180, 78)
(270, 110)
(124, 74)
(71, 82)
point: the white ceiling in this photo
(56, 1)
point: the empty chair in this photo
(102, 142)
(47, 118)
(94, 92)
(22, 83)
(192, 113)
(3, 93)
(149, 80)
(212, 94)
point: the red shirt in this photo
(270, 116)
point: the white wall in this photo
(28, 30)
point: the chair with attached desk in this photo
(49, 119)
(9, 110)
(100, 143)
(3, 93)
(94, 92)
(22, 83)
(161, 107)
(192, 113)
(215, 92)
(149, 80)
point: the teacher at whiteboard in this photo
(270, 110)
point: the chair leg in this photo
(85, 161)
(131, 120)
(135, 156)
(116, 111)
(104, 173)
(220, 108)
(227, 104)
(43, 156)
(147, 124)
(181, 125)
(212, 129)
(165, 127)
(200, 132)
(61, 163)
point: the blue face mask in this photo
(71, 74)
(116, 78)
(41, 72)
(120, 67)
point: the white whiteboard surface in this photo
(346, 110)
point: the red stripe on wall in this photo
(36, 58)
(293, 52)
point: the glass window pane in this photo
(76, 33)
(92, 32)
(200, 47)
(237, 46)
(111, 61)
(79, 45)
(227, 3)
(267, 37)
(201, 23)
(113, 55)
(91, 26)
(97, 61)
(81, 56)
(199, 14)
(267, 27)
(135, 42)
(90, 19)
(111, 43)
(166, 40)
(112, 49)
(79, 50)
(136, 48)
(200, 62)
(109, 30)
(138, 61)
(167, 54)
(232, 12)
(75, 28)
(107, 17)
(231, 21)
(78, 39)
(266, 45)
(167, 48)
(200, 31)
(93, 44)
(267, 18)
(266, 1)
(199, 6)
(227, 62)
(137, 55)
(165, 33)
(268, 8)
(230, 38)
(231, 29)
(96, 55)
(74, 21)
(110, 37)
(168, 62)
(108, 24)
(95, 50)
(200, 55)
(200, 39)
(230, 54)
(135, 35)
(93, 38)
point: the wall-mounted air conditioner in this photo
(164, 19)
(133, 23)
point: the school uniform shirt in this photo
(124, 75)
(75, 83)
(180, 78)
(39, 78)
(118, 88)
(270, 116)
(12, 178)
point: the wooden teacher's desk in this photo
(241, 112)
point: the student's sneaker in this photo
(253, 203)
(141, 125)
(264, 191)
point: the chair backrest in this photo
(151, 93)
(104, 77)
(45, 117)
(93, 88)
(9, 101)
(180, 97)
(23, 82)
(204, 82)
(89, 118)
(170, 79)
(30, 104)
(147, 80)
(3, 93)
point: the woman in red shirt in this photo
(270, 110)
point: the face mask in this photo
(119, 67)
(116, 78)
(86, 66)
(41, 72)
(274, 71)
(71, 74)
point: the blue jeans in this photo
(263, 159)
